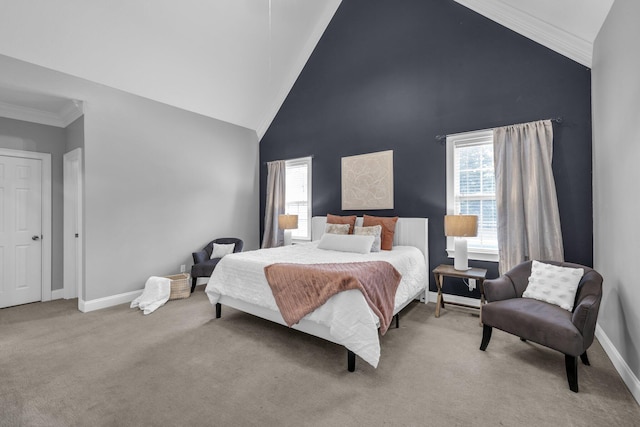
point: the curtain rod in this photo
(288, 160)
(442, 138)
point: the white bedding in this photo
(347, 315)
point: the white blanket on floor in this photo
(156, 292)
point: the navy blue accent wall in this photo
(393, 74)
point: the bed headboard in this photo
(409, 232)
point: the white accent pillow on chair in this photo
(553, 284)
(221, 250)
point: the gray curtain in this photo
(275, 204)
(527, 205)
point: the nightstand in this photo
(443, 270)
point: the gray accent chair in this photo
(570, 333)
(203, 266)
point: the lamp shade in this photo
(288, 222)
(461, 225)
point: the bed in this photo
(346, 319)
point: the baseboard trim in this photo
(100, 303)
(619, 363)
(433, 297)
(57, 294)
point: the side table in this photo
(443, 270)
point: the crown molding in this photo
(542, 32)
(30, 115)
(71, 112)
(33, 115)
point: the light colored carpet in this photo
(181, 366)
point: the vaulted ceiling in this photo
(233, 60)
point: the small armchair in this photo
(570, 333)
(203, 264)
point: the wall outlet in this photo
(183, 268)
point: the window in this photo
(471, 190)
(298, 195)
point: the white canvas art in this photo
(367, 181)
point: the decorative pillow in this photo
(346, 243)
(337, 219)
(388, 228)
(553, 284)
(337, 228)
(221, 250)
(374, 231)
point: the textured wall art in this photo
(367, 181)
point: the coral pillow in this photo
(337, 219)
(388, 228)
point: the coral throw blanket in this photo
(301, 288)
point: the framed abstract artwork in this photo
(367, 181)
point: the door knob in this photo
(35, 238)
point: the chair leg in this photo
(571, 364)
(193, 283)
(486, 336)
(585, 359)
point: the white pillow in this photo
(346, 243)
(553, 284)
(221, 250)
(375, 231)
(337, 228)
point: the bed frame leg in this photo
(397, 316)
(218, 310)
(351, 361)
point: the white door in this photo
(20, 230)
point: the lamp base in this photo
(461, 258)
(287, 237)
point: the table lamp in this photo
(287, 223)
(459, 227)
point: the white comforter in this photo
(347, 315)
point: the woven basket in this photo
(180, 287)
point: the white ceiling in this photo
(233, 60)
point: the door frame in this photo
(70, 204)
(46, 213)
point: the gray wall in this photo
(25, 136)
(75, 135)
(616, 125)
(160, 182)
